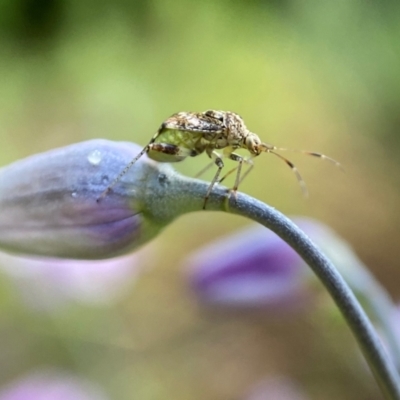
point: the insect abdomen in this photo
(187, 140)
(174, 145)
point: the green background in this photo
(313, 75)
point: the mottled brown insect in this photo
(188, 134)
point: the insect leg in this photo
(205, 169)
(228, 173)
(169, 150)
(239, 159)
(239, 178)
(251, 166)
(246, 161)
(219, 163)
(125, 170)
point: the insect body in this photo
(217, 133)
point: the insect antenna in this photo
(313, 154)
(301, 181)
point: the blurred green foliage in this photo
(321, 76)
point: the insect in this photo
(217, 133)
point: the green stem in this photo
(189, 196)
(367, 288)
(382, 367)
(381, 308)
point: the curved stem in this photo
(382, 309)
(381, 366)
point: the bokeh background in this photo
(313, 75)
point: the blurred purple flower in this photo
(47, 284)
(252, 268)
(277, 388)
(48, 202)
(255, 268)
(51, 385)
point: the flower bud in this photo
(50, 203)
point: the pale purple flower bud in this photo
(51, 385)
(48, 202)
(252, 268)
